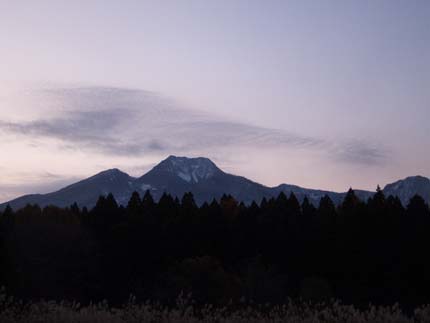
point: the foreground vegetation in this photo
(185, 311)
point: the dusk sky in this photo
(321, 94)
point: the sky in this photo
(321, 94)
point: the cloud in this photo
(93, 130)
(360, 152)
(134, 123)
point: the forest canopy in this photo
(358, 252)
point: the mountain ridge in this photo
(201, 176)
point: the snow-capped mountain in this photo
(178, 175)
(189, 170)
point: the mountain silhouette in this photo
(178, 175)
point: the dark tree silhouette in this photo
(360, 252)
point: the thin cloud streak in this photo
(146, 123)
(360, 152)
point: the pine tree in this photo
(74, 208)
(229, 206)
(293, 205)
(111, 202)
(378, 200)
(148, 202)
(308, 209)
(417, 207)
(188, 202)
(134, 205)
(281, 204)
(8, 215)
(326, 207)
(350, 204)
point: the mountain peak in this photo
(191, 170)
(111, 171)
(188, 160)
(408, 187)
(411, 180)
(417, 178)
(110, 174)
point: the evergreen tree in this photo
(106, 211)
(417, 207)
(308, 209)
(111, 203)
(148, 202)
(293, 205)
(188, 202)
(74, 208)
(326, 208)
(263, 204)
(378, 200)
(229, 206)
(282, 203)
(134, 205)
(350, 204)
(8, 215)
(167, 202)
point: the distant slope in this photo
(178, 175)
(85, 192)
(408, 187)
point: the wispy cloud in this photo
(360, 152)
(133, 123)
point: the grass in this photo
(185, 311)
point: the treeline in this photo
(359, 252)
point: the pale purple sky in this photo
(323, 94)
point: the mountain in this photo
(178, 175)
(85, 192)
(408, 187)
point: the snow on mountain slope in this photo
(190, 169)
